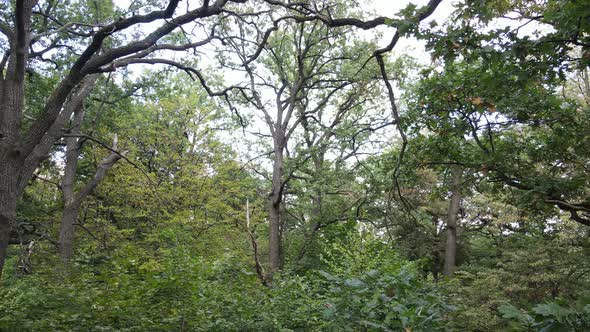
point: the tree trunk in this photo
(452, 216)
(66, 233)
(11, 110)
(70, 212)
(10, 159)
(7, 209)
(16, 169)
(10, 164)
(73, 200)
(274, 212)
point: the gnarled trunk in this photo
(11, 111)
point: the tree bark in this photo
(70, 212)
(274, 212)
(7, 210)
(66, 233)
(11, 160)
(11, 111)
(452, 216)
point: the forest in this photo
(294, 165)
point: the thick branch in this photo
(107, 163)
(41, 150)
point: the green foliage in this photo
(163, 244)
(551, 316)
(369, 288)
(142, 287)
(524, 269)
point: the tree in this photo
(313, 83)
(90, 44)
(485, 178)
(502, 95)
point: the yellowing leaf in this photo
(476, 101)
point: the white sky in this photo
(374, 8)
(390, 8)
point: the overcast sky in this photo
(390, 8)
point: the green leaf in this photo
(327, 275)
(353, 282)
(510, 312)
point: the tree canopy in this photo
(262, 165)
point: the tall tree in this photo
(310, 74)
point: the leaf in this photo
(476, 100)
(372, 324)
(510, 312)
(327, 275)
(554, 327)
(353, 282)
(552, 310)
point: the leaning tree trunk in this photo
(452, 216)
(17, 160)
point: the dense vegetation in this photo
(269, 166)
